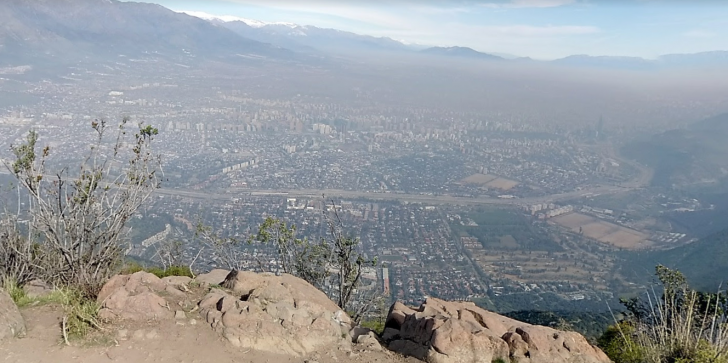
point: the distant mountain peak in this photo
(229, 18)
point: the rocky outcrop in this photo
(280, 314)
(11, 322)
(138, 297)
(214, 277)
(455, 332)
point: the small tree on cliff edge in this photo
(78, 218)
(336, 253)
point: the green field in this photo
(504, 229)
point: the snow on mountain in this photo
(230, 18)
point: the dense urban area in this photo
(455, 204)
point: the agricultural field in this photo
(507, 246)
(602, 231)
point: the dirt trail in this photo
(159, 342)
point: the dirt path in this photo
(159, 342)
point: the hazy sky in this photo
(542, 29)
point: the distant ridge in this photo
(605, 61)
(463, 52)
(105, 28)
(713, 58)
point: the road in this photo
(639, 182)
(412, 198)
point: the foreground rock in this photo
(37, 288)
(137, 297)
(280, 314)
(11, 322)
(454, 332)
(214, 277)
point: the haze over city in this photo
(527, 156)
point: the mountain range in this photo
(311, 38)
(72, 29)
(82, 28)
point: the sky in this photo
(541, 29)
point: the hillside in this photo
(685, 157)
(311, 39)
(76, 29)
(704, 263)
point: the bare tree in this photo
(227, 250)
(80, 219)
(349, 264)
(296, 256)
(19, 256)
(169, 253)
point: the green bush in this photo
(133, 267)
(130, 268)
(177, 271)
(680, 325)
(618, 343)
(81, 314)
(377, 325)
(80, 311)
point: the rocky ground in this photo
(230, 316)
(158, 342)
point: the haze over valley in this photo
(515, 182)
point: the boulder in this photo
(11, 322)
(177, 281)
(214, 277)
(136, 297)
(454, 332)
(369, 342)
(37, 288)
(280, 314)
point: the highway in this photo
(402, 197)
(412, 198)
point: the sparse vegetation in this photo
(680, 325)
(333, 264)
(77, 222)
(80, 312)
(174, 270)
(20, 257)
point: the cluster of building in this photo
(548, 210)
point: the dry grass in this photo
(680, 325)
(602, 231)
(80, 312)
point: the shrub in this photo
(377, 325)
(132, 267)
(80, 313)
(78, 220)
(19, 254)
(619, 345)
(679, 326)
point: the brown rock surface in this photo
(454, 332)
(135, 297)
(11, 322)
(37, 288)
(281, 314)
(214, 277)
